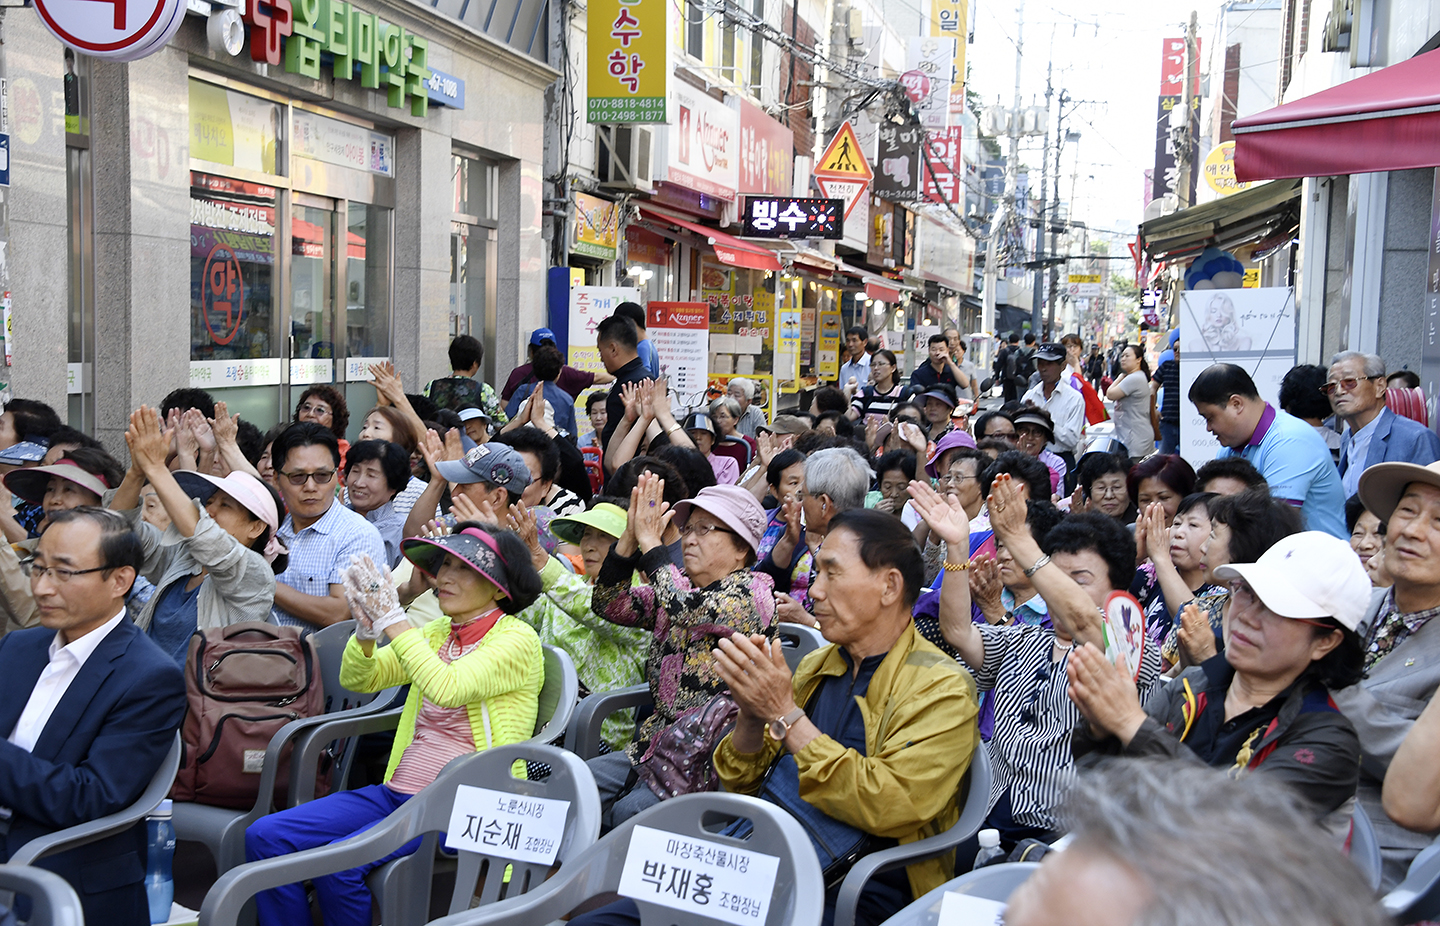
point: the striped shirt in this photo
(870, 401)
(441, 734)
(1030, 749)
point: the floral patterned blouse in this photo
(685, 623)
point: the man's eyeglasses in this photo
(321, 478)
(1348, 384)
(701, 531)
(61, 575)
(315, 409)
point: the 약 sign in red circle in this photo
(222, 289)
(116, 29)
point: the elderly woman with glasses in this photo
(1264, 704)
(686, 612)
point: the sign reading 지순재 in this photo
(787, 217)
(626, 55)
(506, 825)
(712, 879)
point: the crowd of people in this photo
(958, 559)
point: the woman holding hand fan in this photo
(1264, 703)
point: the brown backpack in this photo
(242, 683)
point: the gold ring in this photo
(999, 507)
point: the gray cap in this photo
(495, 464)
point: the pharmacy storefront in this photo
(259, 209)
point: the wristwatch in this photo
(779, 728)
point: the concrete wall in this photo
(1405, 265)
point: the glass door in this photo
(472, 282)
(312, 293)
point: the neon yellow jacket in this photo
(498, 682)
(920, 733)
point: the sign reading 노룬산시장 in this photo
(512, 826)
(700, 876)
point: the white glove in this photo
(372, 597)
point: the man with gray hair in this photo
(836, 480)
(1229, 852)
(742, 390)
(1373, 433)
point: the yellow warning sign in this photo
(843, 158)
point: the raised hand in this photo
(1195, 635)
(199, 425)
(225, 426)
(388, 387)
(432, 448)
(1157, 535)
(454, 450)
(630, 395)
(765, 441)
(372, 597)
(649, 513)
(1007, 507)
(1079, 504)
(149, 446)
(465, 509)
(522, 521)
(985, 587)
(1105, 696)
(945, 516)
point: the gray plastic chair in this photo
(993, 882)
(974, 805)
(1417, 898)
(1365, 848)
(85, 833)
(222, 829)
(53, 902)
(799, 641)
(798, 900)
(426, 815)
(583, 735)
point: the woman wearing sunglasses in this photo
(1263, 704)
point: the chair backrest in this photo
(975, 790)
(1365, 847)
(1417, 898)
(53, 902)
(427, 814)
(799, 641)
(994, 882)
(557, 696)
(798, 897)
(330, 643)
(86, 833)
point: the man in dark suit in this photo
(1373, 433)
(91, 712)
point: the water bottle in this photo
(159, 886)
(989, 849)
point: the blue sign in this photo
(445, 90)
(4, 159)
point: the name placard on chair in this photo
(699, 876)
(506, 825)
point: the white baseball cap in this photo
(1308, 575)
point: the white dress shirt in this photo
(1358, 451)
(65, 663)
(1067, 409)
(860, 369)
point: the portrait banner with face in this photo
(1254, 329)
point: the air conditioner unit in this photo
(623, 157)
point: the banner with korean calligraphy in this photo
(627, 61)
(944, 167)
(951, 19)
(589, 305)
(597, 227)
(927, 79)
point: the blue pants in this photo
(1169, 437)
(344, 898)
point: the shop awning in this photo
(729, 249)
(1248, 217)
(1386, 120)
(880, 288)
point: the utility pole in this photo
(1185, 152)
(1054, 213)
(1000, 218)
(1044, 216)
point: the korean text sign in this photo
(507, 825)
(627, 60)
(699, 876)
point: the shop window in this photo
(477, 185)
(727, 49)
(757, 53)
(80, 263)
(695, 28)
(235, 130)
(367, 281)
(232, 269)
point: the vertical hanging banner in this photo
(590, 305)
(897, 154)
(627, 62)
(681, 334)
(951, 19)
(828, 359)
(927, 79)
(944, 168)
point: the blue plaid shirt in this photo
(320, 553)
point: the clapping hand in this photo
(465, 509)
(199, 425)
(985, 587)
(649, 515)
(522, 522)
(1105, 696)
(370, 591)
(791, 611)
(1195, 634)
(630, 395)
(148, 444)
(1156, 534)
(388, 388)
(945, 516)
(755, 671)
(225, 426)
(1007, 507)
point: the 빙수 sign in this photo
(785, 217)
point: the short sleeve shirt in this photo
(1296, 463)
(320, 554)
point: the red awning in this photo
(729, 249)
(877, 290)
(1386, 120)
